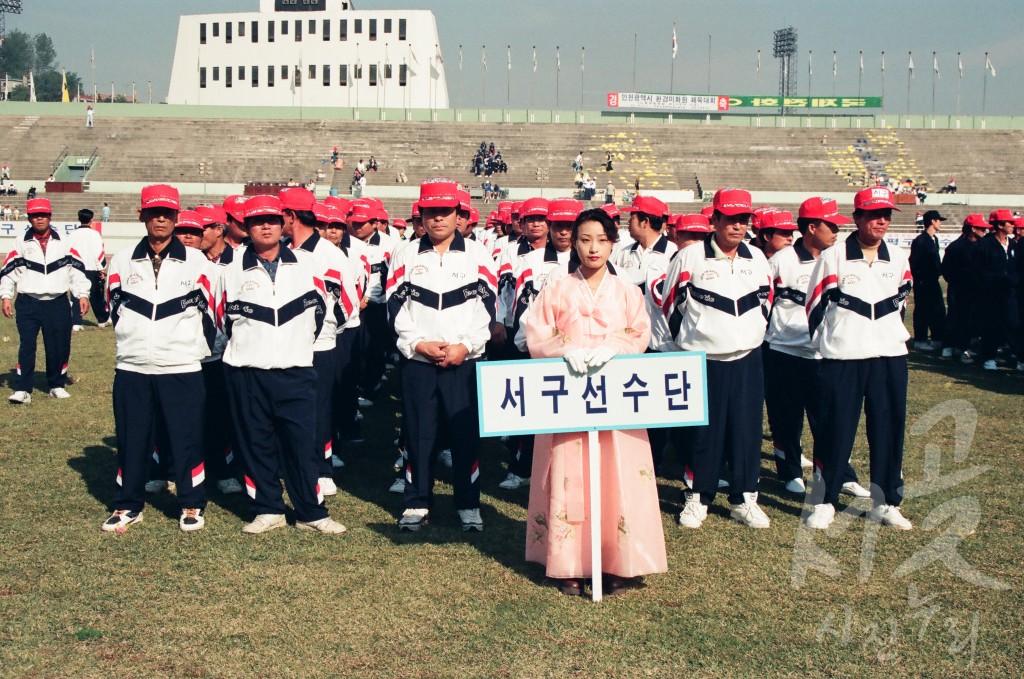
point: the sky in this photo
(134, 41)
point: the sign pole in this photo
(594, 455)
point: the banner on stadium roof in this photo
(629, 392)
(724, 102)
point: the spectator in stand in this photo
(371, 164)
(5, 172)
(925, 265)
(105, 213)
(361, 167)
(950, 186)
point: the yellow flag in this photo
(64, 96)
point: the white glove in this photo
(577, 360)
(598, 356)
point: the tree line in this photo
(21, 53)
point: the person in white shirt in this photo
(88, 243)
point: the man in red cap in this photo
(163, 305)
(960, 271)
(362, 224)
(726, 286)
(775, 232)
(997, 303)
(273, 308)
(925, 265)
(234, 226)
(856, 299)
(42, 268)
(792, 364)
(299, 210)
(441, 304)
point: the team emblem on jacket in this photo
(709, 275)
(802, 281)
(746, 272)
(889, 275)
(417, 270)
(249, 286)
(458, 275)
(850, 279)
(134, 279)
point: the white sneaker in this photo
(365, 402)
(513, 482)
(20, 397)
(120, 519)
(77, 328)
(337, 462)
(59, 392)
(264, 522)
(990, 364)
(229, 486)
(327, 486)
(1020, 366)
(155, 486)
(805, 463)
(693, 513)
(105, 324)
(446, 457)
(470, 519)
(779, 453)
(749, 513)
(398, 486)
(192, 518)
(855, 489)
(947, 352)
(414, 519)
(820, 517)
(966, 358)
(796, 485)
(324, 525)
(922, 346)
(890, 515)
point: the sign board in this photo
(538, 396)
(727, 102)
(300, 5)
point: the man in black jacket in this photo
(998, 311)
(929, 311)
(958, 268)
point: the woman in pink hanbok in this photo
(587, 317)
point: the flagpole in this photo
(883, 81)
(910, 76)
(533, 78)
(460, 76)
(860, 75)
(634, 62)
(833, 73)
(709, 64)
(483, 75)
(583, 70)
(508, 79)
(672, 70)
(959, 65)
(935, 72)
(984, 85)
(558, 72)
(810, 71)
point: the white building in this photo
(309, 53)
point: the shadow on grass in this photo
(1002, 381)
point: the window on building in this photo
(343, 75)
(284, 27)
(202, 77)
(202, 34)
(357, 72)
(373, 29)
(312, 71)
(401, 29)
(216, 29)
(227, 76)
(387, 71)
(358, 28)
(241, 29)
(327, 75)
(270, 31)
(403, 75)
(297, 73)
(284, 72)
(255, 31)
(373, 75)
(343, 30)
(298, 30)
(216, 73)
(327, 30)
(270, 76)
(241, 73)
(387, 25)
(312, 27)
(227, 32)
(255, 70)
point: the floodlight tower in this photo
(784, 49)
(7, 7)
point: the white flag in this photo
(510, 57)
(833, 63)
(810, 70)
(32, 87)
(675, 43)
(558, 60)
(758, 62)
(483, 56)
(862, 62)
(911, 64)
(935, 65)
(960, 64)
(989, 66)
(534, 58)
(92, 57)
(883, 62)
(437, 53)
(460, 57)
(583, 57)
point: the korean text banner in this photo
(629, 392)
(727, 102)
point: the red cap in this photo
(296, 198)
(322, 212)
(439, 192)
(1018, 223)
(533, 207)
(691, 223)
(564, 210)
(825, 209)
(732, 202)
(415, 212)
(160, 195)
(335, 215)
(464, 200)
(612, 211)
(505, 215)
(189, 219)
(38, 206)
(505, 205)
(361, 211)
(781, 220)
(263, 205)
(976, 221)
(649, 205)
(492, 218)
(707, 211)
(759, 212)
(1000, 216)
(338, 202)
(212, 214)
(382, 215)
(874, 198)
(517, 207)
(235, 206)
(474, 216)
(376, 202)
(400, 223)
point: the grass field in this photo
(736, 601)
